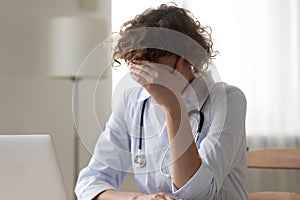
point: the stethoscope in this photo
(140, 159)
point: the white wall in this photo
(31, 102)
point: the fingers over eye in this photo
(141, 80)
(160, 67)
(146, 68)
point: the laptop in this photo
(29, 169)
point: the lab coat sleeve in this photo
(111, 158)
(219, 149)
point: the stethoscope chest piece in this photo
(140, 160)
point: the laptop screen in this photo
(29, 168)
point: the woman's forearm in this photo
(185, 157)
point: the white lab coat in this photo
(222, 146)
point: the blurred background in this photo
(259, 47)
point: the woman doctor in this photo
(181, 133)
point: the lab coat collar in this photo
(144, 94)
(199, 89)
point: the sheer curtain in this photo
(259, 44)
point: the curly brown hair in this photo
(166, 17)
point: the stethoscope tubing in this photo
(141, 157)
(142, 124)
